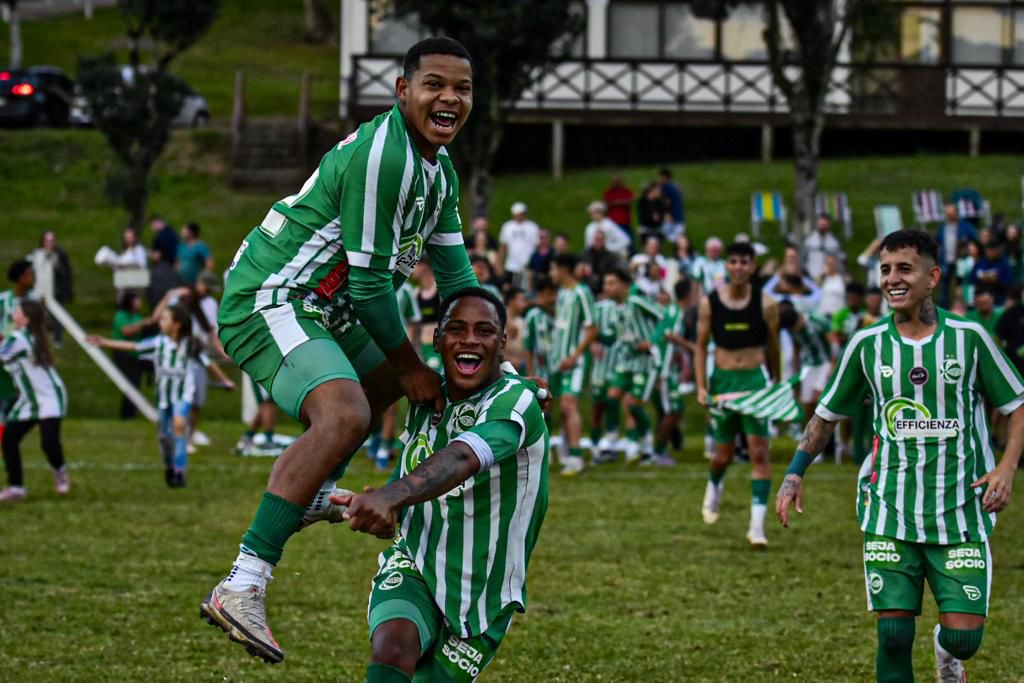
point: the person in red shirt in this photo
(619, 200)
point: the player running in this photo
(309, 309)
(469, 497)
(744, 323)
(928, 495)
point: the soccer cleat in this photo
(712, 502)
(243, 616)
(61, 483)
(321, 509)
(608, 442)
(200, 439)
(948, 669)
(663, 461)
(572, 465)
(177, 480)
(244, 445)
(757, 539)
(603, 457)
(13, 494)
(632, 452)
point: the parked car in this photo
(36, 96)
(194, 112)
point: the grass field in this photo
(626, 584)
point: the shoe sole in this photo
(758, 544)
(237, 634)
(710, 517)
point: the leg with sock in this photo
(50, 432)
(961, 643)
(894, 659)
(11, 444)
(760, 487)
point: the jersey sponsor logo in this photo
(409, 254)
(918, 376)
(463, 655)
(965, 558)
(463, 418)
(393, 581)
(238, 254)
(875, 583)
(972, 592)
(951, 371)
(350, 138)
(921, 425)
(418, 450)
(736, 327)
(886, 371)
(881, 551)
(420, 203)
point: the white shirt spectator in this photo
(816, 247)
(132, 257)
(520, 239)
(710, 273)
(615, 238)
(833, 294)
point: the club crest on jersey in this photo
(418, 450)
(972, 592)
(420, 203)
(886, 371)
(951, 371)
(920, 424)
(393, 581)
(463, 418)
(875, 583)
(409, 253)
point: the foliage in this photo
(133, 105)
(510, 43)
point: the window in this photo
(633, 30)
(920, 35)
(980, 35)
(743, 33)
(687, 36)
(1018, 37)
(390, 35)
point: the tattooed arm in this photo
(816, 436)
(376, 511)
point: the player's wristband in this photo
(800, 462)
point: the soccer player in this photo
(539, 322)
(927, 496)
(608, 316)
(668, 344)
(574, 331)
(811, 333)
(743, 321)
(469, 496)
(310, 311)
(259, 438)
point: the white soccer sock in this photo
(757, 514)
(248, 571)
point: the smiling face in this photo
(908, 278)
(471, 342)
(740, 269)
(436, 100)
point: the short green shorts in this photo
(399, 592)
(960, 576)
(573, 381)
(726, 424)
(292, 354)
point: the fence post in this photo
(237, 114)
(304, 86)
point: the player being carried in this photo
(928, 495)
(469, 496)
(744, 324)
(309, 308)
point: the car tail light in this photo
(5, 75)
(23, 89)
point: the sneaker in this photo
(13, 494)
(948, 669)
(632, 452)
(572, 465)
(200, 439)
(712, 502)
(663, 461)
(603, 457)
(586, 443)
(244, 445)
(61, 482)
(190, 448)
(177, 480)
(169, 476)
(608, 443)
(243, 616)
(383, 460)
(757, 538)
(321, 509)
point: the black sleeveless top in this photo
(429, 305)
(738, 328)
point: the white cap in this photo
(518, 207)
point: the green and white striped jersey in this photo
(8, 302)
(408, 307)
(666, 354)
(574, 313)
(640, 318)
(473, 544)
(371, 208)
(537, 338)
(932, 437)
(41, 392)
(173, 362)
(813, 339)
(608, 318)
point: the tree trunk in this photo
(319, 24)
(15, 35)
(806, 152)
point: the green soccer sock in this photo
(961, 643)
(576, 452)
(716, 477)
(275, 522)
(612, 411)
(643, 423)
(249, 433)
(633, 434)
(759, 490)
(661, 446)
(385, 673)
(894, 662)
(269, 436)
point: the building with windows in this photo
(953, 68)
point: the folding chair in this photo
(836, 206)
(767, 207)
(927, 207)
(970, 205)
(888, 219)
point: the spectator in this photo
(674, 221)
(875, 307)
(515, 329)
(951, 234)
(833, 288)
(133, 254)
(481, 226)
(869, 261)
(601, 260)
(650, 279)
(53, 277)
(992, 269)
(193, 255)
(802, 291)
(650, 212)
(709, 270)
(619, 200)
(561, 244)
(985, 311)
(847, 319)
(127, 326)
(970, 252)
(519, 238)
(484, 271)
(1013, 251)
(540, 260)
(684, 255)
(651, 254)
(1010, 328)
(615, 238)
(479, 246)
(820, 244)
(163, 254)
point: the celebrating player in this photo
(744, 323)
(309, 309)
(469, 497)
(928, 495)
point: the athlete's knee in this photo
(961, 643)
(338, 409)
(179, 425)
(896, 633)
(568, 402)
(396, 643)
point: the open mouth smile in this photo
(468, 363)
(444, 120)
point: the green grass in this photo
(627, 584)
(263, 38)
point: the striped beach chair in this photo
(767, 207)
(888, 218)
(970, 205)
(835, 205)
(927, 207)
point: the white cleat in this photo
(712, 502)
(632, 450)
(948, 669)
(608, 442)
(200, 439)
(572, 465)
(321, 509)
(757, 539)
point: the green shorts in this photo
(399, 592)
(960, 575)
(573, 381)
(666, 396)
(293, 354)
(726, 424)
